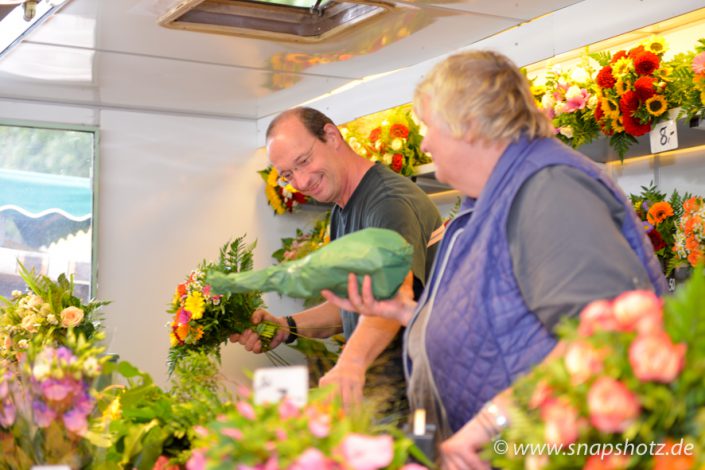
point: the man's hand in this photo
(399, 308)
(250, 340)
(349, 378)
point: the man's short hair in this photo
(313, 120)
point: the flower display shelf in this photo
(690, 134)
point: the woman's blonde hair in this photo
(481, 95)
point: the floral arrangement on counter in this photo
(281, 195)
(47, 310)
(628, 379)
(391, 137)
(203, 321)
(282, 435)
(690, 235)
(632, 91)
(569, 98)
(303, 243)
(46, 402)
(660, 216)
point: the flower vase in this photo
(680, 275)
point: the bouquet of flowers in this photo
(660, 216)
(280, 194)
(392, 137)
(631, 92)
(569, 99)
(48, 310)
(202, 321)
(304, 242)
(690, 235)
(284, 436)
(45, 403)
(625, 392)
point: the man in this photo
(308, 150)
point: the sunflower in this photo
(622, 67)
(656, 105)
(655, 44)
(274, 200)
(272, 177)
(621, 87)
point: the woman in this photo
(541, 233)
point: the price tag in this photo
(664, 136)
(274, 383)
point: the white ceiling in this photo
(112, 53)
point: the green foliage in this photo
(53, 151)
(621, 142)
(602, 58)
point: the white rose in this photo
(397, 144)
(566, 131)
(41, 371)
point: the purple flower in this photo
(83, 402)
(65, 355)
(75, 421)
(57, 390)
(43, 415)
(7, 414)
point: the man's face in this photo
(304, 161)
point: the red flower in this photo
(618, 56)
(656, 239)
(397, 162)
(605, 79)
(646, 62)
(635, 51)
(375, 134)
(644, 87)
(399, 130)
(299, 197)
(632, 126)
(628, 103)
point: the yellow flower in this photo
(273, 177)
(621, 87)
(622, 67)
(656, 105)
(195, 304)
(655, 44)
(274, 200)
(702, 97)
(609, 107)
(173, 340)
(538, 90)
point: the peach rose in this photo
(638, 310)
(612, 406)
(597, 316)
(536, 462)
(582, 361)
(71, 316)
(561, 425)
(655, 357)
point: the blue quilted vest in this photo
(480, 334)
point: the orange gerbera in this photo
(691, 205)
(671, 459)
(659, 212)
(695, 257)
(691, 243)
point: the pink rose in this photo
(362, 452)
(197, 460)
(655, 357)
(71, 316)
(319, 424)
(561, 424)
(246, 410)
(597, 316)
(232, 433)
(582, 361)
(75, 421)
(312, 459)
(638, 310)
(612, 406)
(287, 409)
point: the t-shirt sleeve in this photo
(397, 214)
(566, 244)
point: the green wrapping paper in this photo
(381, 253)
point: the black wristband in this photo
(292, 330)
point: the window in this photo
(290, 20)
(46, 204)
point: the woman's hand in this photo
(399, 308)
